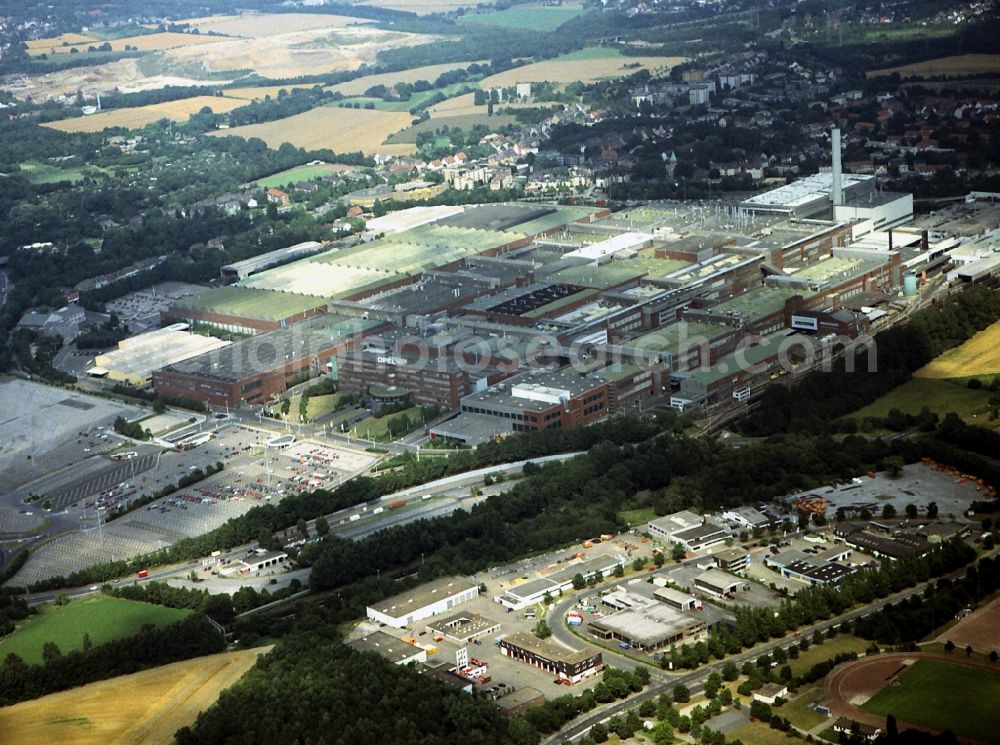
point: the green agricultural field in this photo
(940, 396)
(301, 173)
(104, 618)
(943, 696)
(827, 650)
(532, 18)
(43, 173)
(464, 122)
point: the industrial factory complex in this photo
(520, 317)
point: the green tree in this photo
(302, 527)
(712, 685)
(681, 693)
(619, 570)
(542, 629)
(678, 552)
(322, 526)
(578, 581)
(50, 651)
(888, 511)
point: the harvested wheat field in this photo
(139, 116)
(54, 44)
(293, 54)
(340, 130)
(145, 708)
(149, 42)
(255, 25)
(963, 64)
(422, 7)
(429, 73)
(980, 355)
(464, 106)
(585, 65)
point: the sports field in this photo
(980, 355)
(942, 696)
(145, 708)
(340, 130)
(103, 617)
(140, 116)
(534, 18)
(962, 64)
(600, 63)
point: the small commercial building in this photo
(664, 528)
(853, 728)
(701, 536)
(747, 518)
(770, 692)
(819, 566)
(519, 701)
(395, 650)
(718, 583)
(732, 559)
(552, 657)
(264, 560)
(464, 628)
(431, 599)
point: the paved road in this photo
(4, 288)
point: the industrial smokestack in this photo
(837, 193)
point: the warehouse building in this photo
(701, 536)
(552, 657)
(664, 528)
(718, 583)
(395, 650)
(748, 518)
(648, 625)
(136, 358)
(256, 369)
(242, 269)
(245, 310)
(464, 628)
(810, 196)
(431, 599)
(529, 593)
(676, 599)
(818, 566)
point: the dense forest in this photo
(314, 689)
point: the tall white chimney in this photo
(837, 193)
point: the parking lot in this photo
(254, 475)
(141, 310)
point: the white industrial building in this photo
(664, 528)
(530, 593)
(422, 602)
(137, 357)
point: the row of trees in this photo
(193, 637)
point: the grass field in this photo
(797, 709)
(942, 696)
(43, 173)
(601, 63)
(525, 16)
(940, 396)
(377, 428)
(980, 355)
(430, 73)
(323, 405)
(827, 650)
(303, 173)
(757, 733)
(422, 7)
(341, 130)
(963, 64)
(145, 708)
(255, 25)
(104, 618)
(140, 116)
(464, 122)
